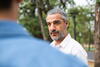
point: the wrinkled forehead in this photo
(53, 17)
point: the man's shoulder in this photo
(33, 41)
(74, 42)
(24, 42)
(78, 47)
(38, 52)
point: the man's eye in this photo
(57, 22)
(48, 24)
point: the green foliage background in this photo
(84, 18)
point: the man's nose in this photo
(53, 27)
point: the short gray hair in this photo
(59, 11)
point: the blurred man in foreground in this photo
(19, 49)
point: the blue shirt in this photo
(19, 49)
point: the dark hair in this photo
(5, 4)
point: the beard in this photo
(59, 35)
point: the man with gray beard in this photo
(58, 29)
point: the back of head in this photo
(9, 9)
(5, 4)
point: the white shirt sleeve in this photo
(80, 53)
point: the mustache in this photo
(54, 31)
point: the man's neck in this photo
(57, 42)
(6, 16)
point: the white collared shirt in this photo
(70, 46)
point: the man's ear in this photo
(19, 1)
(67, 24)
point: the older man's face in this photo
(57, 26)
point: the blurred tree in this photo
(97, 34)
(39, 6)
(82, 19)
(33, 14)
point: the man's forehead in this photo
(52, 20)
(53, 17)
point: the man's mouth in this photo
(54, 33)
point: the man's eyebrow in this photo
(52, 21)
(56, 20)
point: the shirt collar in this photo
(11, 28)
(62, 44)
